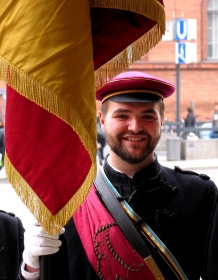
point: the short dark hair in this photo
(190, 109)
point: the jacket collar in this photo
(141, 179)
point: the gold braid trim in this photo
(151, 9)
(51, 223)
(48, 100)
(53, 103)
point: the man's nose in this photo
(135, 125)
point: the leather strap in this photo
(120, 216)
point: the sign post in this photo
(185, 52)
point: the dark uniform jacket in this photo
(11, 245)
(181, 208)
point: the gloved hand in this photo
(37, 242)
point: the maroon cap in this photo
(134, 86)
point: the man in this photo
(179, 208)
(11, 245)
(214, 133)
(101, 142)
(190, 121)
(2, 147)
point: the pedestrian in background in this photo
(11, 245)
(190, 122)
(214, 133)
(2, 147)
(101, 142)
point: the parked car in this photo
(205, 134)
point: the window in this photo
(213, 29)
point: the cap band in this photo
(118, 94)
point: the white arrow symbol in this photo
(182, 52)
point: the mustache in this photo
(130, 133)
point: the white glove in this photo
(38, 243)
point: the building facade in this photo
(197, 82)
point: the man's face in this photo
(132, 130)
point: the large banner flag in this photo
(53, 56)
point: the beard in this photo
(116, 146)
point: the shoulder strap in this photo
(125, 224)
(120, 216)
(128, 228)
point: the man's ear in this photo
(101, 118)
(162, 118)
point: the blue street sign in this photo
(181, 29)
(181, 52)
(186, 52)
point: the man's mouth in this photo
(134, 139)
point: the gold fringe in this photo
(47, 99)
(151, 9)
(39, 94)
(51, 223)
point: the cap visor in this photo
(135, 97)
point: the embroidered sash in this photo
(108, 251)
(149, 234)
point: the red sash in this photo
(109, 252)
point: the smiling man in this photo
(137, 128)
(173, 212)
(132, 131)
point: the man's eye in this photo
(121, 116)
(148, 117)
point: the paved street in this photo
(11, 203)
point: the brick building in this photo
(198, 81)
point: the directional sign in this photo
(169, 32)
(181, 29)
(185, 29)
(186, 52)
(181, 52)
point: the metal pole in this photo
(178, 98)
